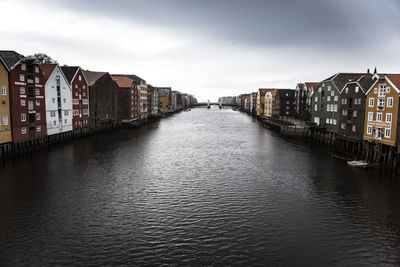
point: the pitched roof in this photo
(137, 79)
(122, 81)
(395, 79)
(47, 70)
(284, 93)
(340, 79)
(300, 86)
(163, 93)
(313, 85)
(263, 91)
(93, 76)
(11, 58)
(69, 72)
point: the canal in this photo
(205, 187)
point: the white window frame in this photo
(23, 117)
(5, 120)
(379, 116)
(389, 115)
(23, 130)
(3, 90)
(369, 129)
(371, 102)
(386, 131)
(370, 116)
(389, 102)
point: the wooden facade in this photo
(352, 107)
(382, 110)
(284, 103)
(127, 109)
(5, 125)
(80, 96)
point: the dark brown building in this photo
(284, 104)
(127, 98)
(26, 83)
(103, 98)
(352, 107)
(80, 96)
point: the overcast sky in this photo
(210, 48)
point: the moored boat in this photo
(358, 163)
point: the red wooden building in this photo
(284, 104)
(28, 110)
(80, 96)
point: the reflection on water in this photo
(206, 187)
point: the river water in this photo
(205, 187)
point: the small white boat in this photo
(358, 163)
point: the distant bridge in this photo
(205, 104)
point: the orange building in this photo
(382, 110)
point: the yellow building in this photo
(261, 101)
(269, 100)
(381, 110)
(5, 124)
(164, 101)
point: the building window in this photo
(343, 126)
(22, 90)
(355, 113)
(316, 107)
(23, 66)
(387, 132)
(37, 91)
(65, 121)
(23, 102)
(375, 90)
(371, 102)
(344, 112)
(64, 100)
(328, 98)
(370, 116)
(390, 102)
(353, 128)
(38, 129)
(38, 116)
(387, 89)
(334, 121)
(52, 113)
(382, 90)
(23, 130)
(84, 94)
(5, 120)
(37, 102)
(30, 104)
(388, 117)
(369, 129)
(347, 90)
(335, 107)
(3, 90)
(316, 99)
(75, 112)
(23, 117)
(381, 103)
(356, 89)
(84, 87)
(36, 79)
(80, 78)
(54, 123)
(327, 120)
(379, 116)
(65, 112)
(53, 100)
(336, 98)
(21, 78)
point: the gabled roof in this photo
(70, 72)
(93, 76)
(300, 86)
(285, 93)
(47, 70)
(137, 79)
(395, 80)
(340, 79)
(313, 85)
(10, 58)
(364, 82)
(122, 81)
(263, 91)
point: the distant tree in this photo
(42, 58)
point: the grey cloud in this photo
(332, 23)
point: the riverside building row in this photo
(39, 100)
(357, 107)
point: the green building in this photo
(325, 107)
